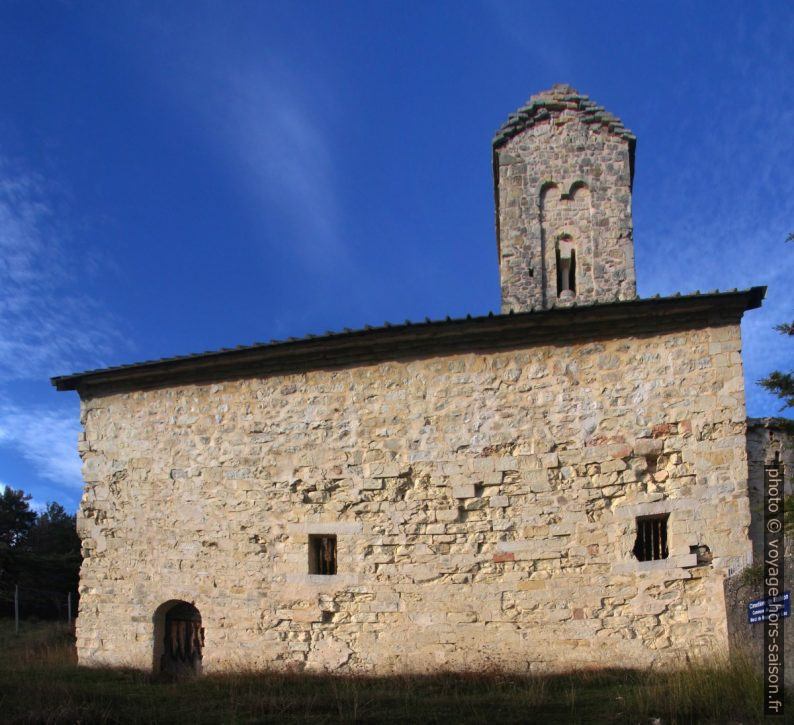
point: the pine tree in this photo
(779, 383)
(16, 518)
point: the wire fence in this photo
(34, 602)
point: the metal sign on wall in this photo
(758, 612)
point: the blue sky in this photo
(183, 176)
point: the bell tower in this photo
(563, 172)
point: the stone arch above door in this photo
(178, 639)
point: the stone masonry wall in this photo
(567, 174)
(484, 507)
(768, 439)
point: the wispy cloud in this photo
(274, 134)
(47, 439)
(267, 121)
(47, 325)
(263, 111)
(46, 322)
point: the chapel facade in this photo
(563, 484)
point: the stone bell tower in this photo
(563, 172)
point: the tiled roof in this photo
(559, 98)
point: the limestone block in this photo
(532, 585)
(538, 481)
(614, 465)
(465, 490)
(461, 617)
(451, 468)
(492, 478)
(506, 463)
(328, 655)
(319, 582)
(528, 462)
(312, 614)
(621, 450)
(648, 447)
(340, 528)
(382, 470)
(550, 460)
(93, 468)
(482, 465)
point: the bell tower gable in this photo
(563, 172)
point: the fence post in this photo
(16, 608)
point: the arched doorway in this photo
(178, 639)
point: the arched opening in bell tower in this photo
(566, 267)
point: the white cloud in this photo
(47, 439)
(274, 134)
(267, 120)
(46, 323)
(34, 504)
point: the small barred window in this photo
(651, 543)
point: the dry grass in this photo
(41, 683)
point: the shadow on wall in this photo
(178, 639)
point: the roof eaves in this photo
(753, 298)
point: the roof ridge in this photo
(558, 98)
(62, 382)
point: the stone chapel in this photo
(562, 484)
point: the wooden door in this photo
(183, 642)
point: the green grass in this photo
(40, 682)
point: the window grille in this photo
(651, 543)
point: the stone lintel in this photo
(672, 566)
(334, 581)
(339, 528)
